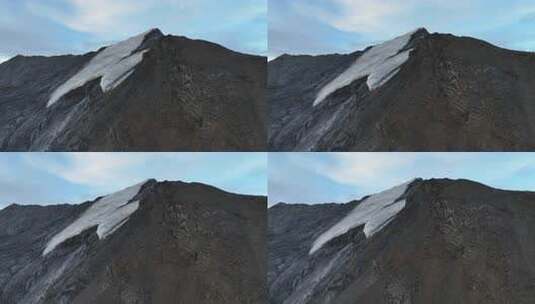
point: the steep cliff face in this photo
(453, 241)
(148, 93)
(179, 243)
(418, 92)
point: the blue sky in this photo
(49, 27)
(44, 178)
(341, 177)
(329, 26)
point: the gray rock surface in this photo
(187, 243)
(186, 95)
(453, 94)
(456, 241)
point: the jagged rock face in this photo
(187, 243)
(454, 242)
(452, 94)
(184, 95)
(23, 235)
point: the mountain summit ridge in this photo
(451, 94)
(454, 241)
(162, 93)
(191, 233)
(112, 64)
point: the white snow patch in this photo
(380, 64)
(108, 214)
(114, 64)
(375, 212)
(4, 58)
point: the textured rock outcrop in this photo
(455, 241)
(186, 243)
(451, 94)
(170, 94)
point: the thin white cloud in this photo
(353, 15)
(98, 170)
(341, 177)
(102, 16)
(52, 178)
(366, 169)
(379, 20)
(95, 16)
(366, 172)
(376, 171)
(235, 24)
(378, 16)
(106, 172)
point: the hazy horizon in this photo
(50, 27)
(56, 178)
(341, 177)
(343, 26)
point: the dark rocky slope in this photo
(185, 95)
(186, 243)
(452, 94)
(456, 241)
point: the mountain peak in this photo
(186, 228)
(422, 30)
(108, 214)
(379, 64)
(374, 212)
(153, 33)
(448, 224)
(155, 30)
(113, 64)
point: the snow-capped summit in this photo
(108, 214)
(451, 231)
(147, 93)
(375, 212)
(419, 92)
(380, 63)
(114, 64)
(181, 231)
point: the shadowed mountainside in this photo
(185, 243)
(451, 94)
(182, 95)
(455, 241)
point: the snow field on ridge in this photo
(114, 64)
(108, 213)
(380, 64)
(375, 212)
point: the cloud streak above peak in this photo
(52, 27)
(331, 26)
(44, 178)
(341, 177)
